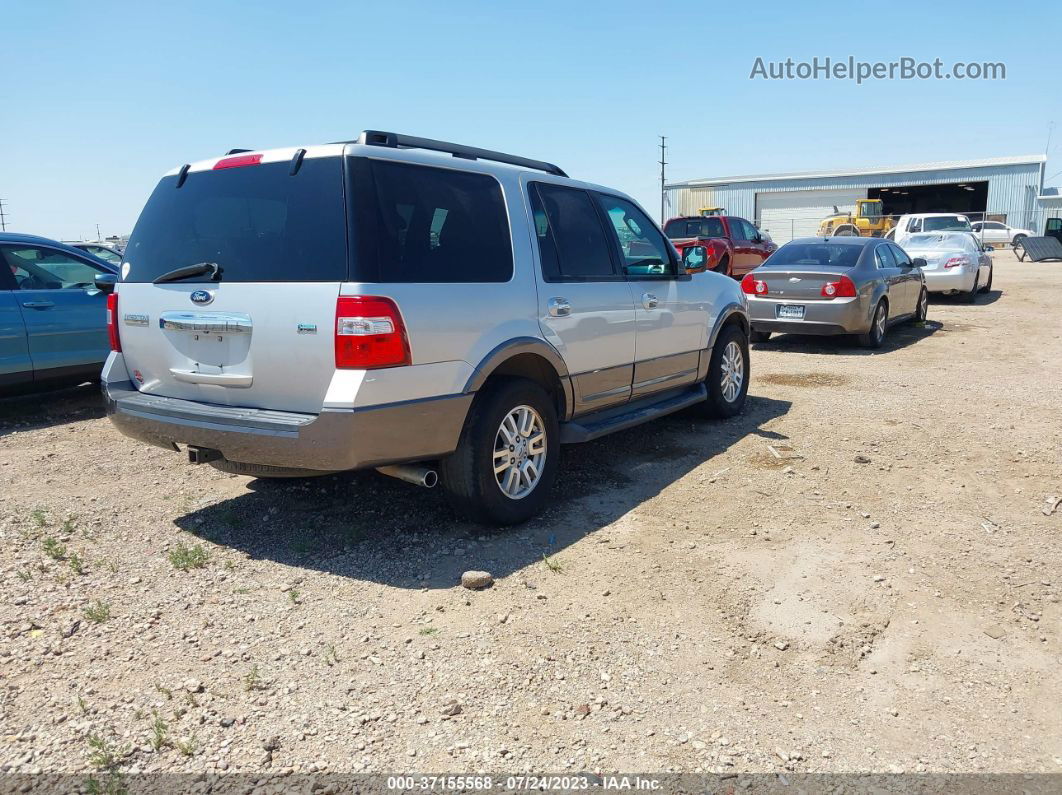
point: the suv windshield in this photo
(946, 223)
(259, 223)
(694, 227)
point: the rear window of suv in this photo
(414, 223)
(258, 222)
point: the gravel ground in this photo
(856, 575)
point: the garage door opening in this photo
(969, 198)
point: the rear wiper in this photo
(191, 270)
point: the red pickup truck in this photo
(734, 245)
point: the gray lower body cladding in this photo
(331, 441)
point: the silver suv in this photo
(439, 312)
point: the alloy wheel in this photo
(519, 452)
(733, 371)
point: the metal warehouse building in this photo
(792, 205)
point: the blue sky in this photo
(102, 98)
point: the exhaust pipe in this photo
(412, 473)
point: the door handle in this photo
(649, 301)
(38, 304)
(559, 307)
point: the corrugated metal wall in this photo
(1012, 189)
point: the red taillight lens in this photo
(842, 288)
(237, 161)
(750, 285)
(956, 262)
(369, 333)
(112, 322)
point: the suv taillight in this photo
(112, 322)
(842, 288)
(750, 285)
(369, 333)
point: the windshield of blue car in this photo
(946, 223)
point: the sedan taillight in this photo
(842, 288)
(750, 285)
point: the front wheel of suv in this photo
(728, 373)
(506, 461)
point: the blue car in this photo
(53, 320)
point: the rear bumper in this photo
(839, 316)
(331, 441)
(950, 280)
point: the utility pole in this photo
(3, 217)
(98, 232)
(663, 162)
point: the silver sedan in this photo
(956, 262)
(835, 285)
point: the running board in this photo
(592, 426)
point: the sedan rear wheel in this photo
(970, 297)
(878, 326)
(988, 285)
(922, 312)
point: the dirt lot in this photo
(882, 597)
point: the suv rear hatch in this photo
(260, 334)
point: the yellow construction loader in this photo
(866, 221)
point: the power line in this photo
(663, 162)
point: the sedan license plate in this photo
(790, 311)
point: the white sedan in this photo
(955, 262)
(996, 232)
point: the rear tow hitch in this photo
(203, 455)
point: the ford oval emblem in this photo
(201, 297)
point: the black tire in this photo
(970, 297)
(988, 285)
(878, 327)
(846, 230)
(717, 404)
(759, 336)
(467, 475)
(724, 266)
(922, 310)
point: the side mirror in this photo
(757, 239)
(105, 282)
(918, 262)
(990, 248)
(695, 259)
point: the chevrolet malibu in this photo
(836, 285)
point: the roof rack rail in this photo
(397, 140)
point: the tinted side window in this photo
(900, 255)
(884, 257)
(417, 223)
(571, 241)
(643, 249)
(737, 229)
